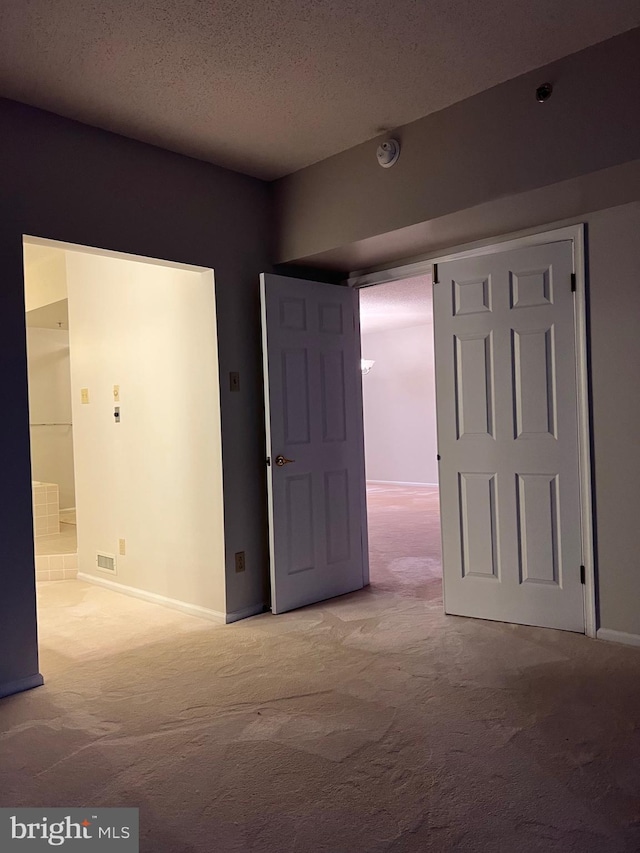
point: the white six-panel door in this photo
(508, 437)
(311, 348)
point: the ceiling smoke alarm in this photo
(388, 153)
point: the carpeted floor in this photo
(369, 724)
(404, 541)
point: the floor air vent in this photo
(106, 562)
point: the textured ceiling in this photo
(269, 86)
(396, 305)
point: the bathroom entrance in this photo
(125, 435)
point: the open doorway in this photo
(398, 388)
(513, 429)
(125, 444)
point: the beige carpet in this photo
(369, 724)
(404, 540)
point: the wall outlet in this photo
(84, 395)
(122, 547)
(240, 565)
(116, 393)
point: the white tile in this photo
(39, 497)
(42, 575)
(70, 574)
(40, 510)
(56, 561)
(70, 561)
(42, 562)
(56, 575)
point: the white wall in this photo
(45, 276)
(154, 479)
(50, 403)
(399, 405)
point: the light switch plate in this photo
(122, 547)
(116, 393)
(84, 395)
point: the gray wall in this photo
(66, 181)
(494, 145)
(614, 267)
(399, 399)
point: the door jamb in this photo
(575, 234)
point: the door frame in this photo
(576, 235)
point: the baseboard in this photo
(22, 684)
(618, 637)
(254, 610)
(397, 483)
(154, 598)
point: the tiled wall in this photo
(56, 567)
(46, 508)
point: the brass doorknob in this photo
(281, 461)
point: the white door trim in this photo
(574, 233)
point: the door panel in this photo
(478, 522)
(508, 437)
(474, 385)
(314, 419)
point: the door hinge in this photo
(436, 280)
(582, 574)
(268, 460)
(573, 282)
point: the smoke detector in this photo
(388, 153)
